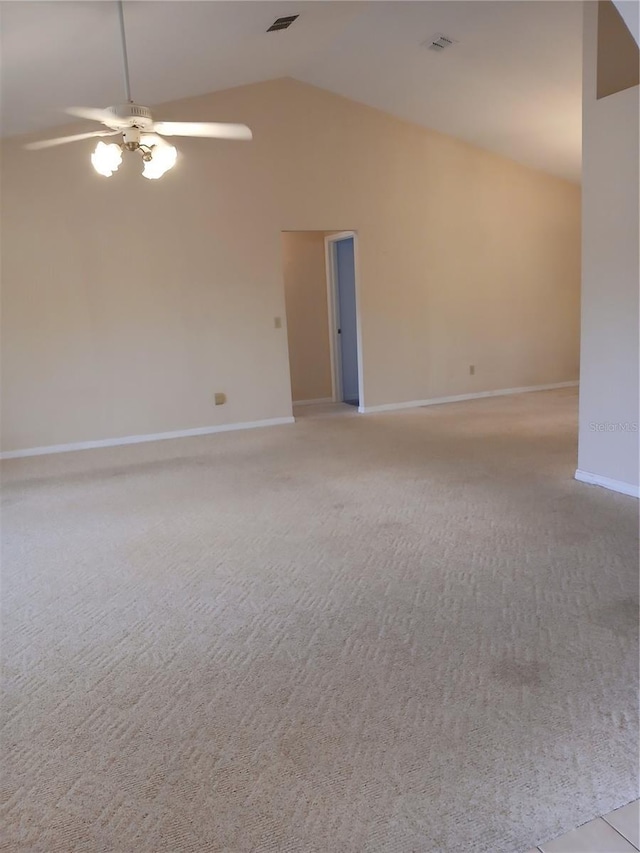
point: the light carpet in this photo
(401, 632)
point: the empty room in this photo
(319, 426)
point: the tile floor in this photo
(617, 832)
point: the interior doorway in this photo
(323, 329)
(344, 319)
(308, 337)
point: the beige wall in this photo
(127, 302)
(611, 228)
(305, 290)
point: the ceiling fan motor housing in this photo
(129, 115)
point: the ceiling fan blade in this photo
(91, 113)
(210, 130)
(62, 140)
(152, 139)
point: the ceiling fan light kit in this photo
(139, 131)
(157, 155)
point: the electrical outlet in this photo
(277, 322)
(472, 370)
(219, 398)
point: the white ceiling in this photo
(511, 84)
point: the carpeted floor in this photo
(403, 633)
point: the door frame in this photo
(332, 304)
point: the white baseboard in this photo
(459, 398)
(139, 439)
(608, 483)
(313, 402)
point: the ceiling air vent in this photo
(282, 23)
(439, 42)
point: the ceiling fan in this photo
(138, 129)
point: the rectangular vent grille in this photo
(439, 42)
(282, 23)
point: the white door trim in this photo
(332, 304)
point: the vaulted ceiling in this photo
(510, 83)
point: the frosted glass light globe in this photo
(163, 158)
(106, 158)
